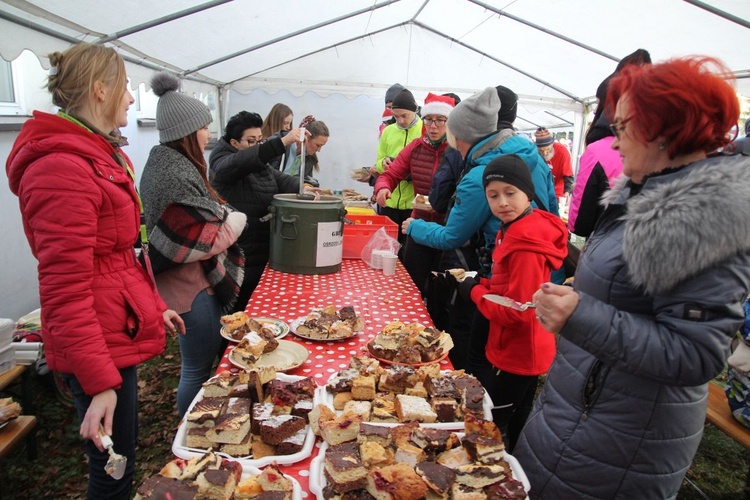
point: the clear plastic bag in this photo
(379, 241)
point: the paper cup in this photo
(389, 263)
(376, 260)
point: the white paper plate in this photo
(317, 480)
(326, 398)
(294, 326)
(279, 328)
(287, 356)
(421, 206)
(180, 448)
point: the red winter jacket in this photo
(522, 260)
(100, 310)
(420, 160)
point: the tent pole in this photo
(719, 12)
(517, 19)
(508, 65)
(161, 20)
(287, 36)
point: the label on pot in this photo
(330, 244)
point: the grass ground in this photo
(719, 468)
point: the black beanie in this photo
(405, 100)
(510, 169)
(508, 105)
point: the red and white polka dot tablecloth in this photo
(379, 299)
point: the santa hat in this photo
(438, 105)
(387, 114)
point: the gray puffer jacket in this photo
(661, 285)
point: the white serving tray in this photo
(326, 398)
(180, 448)
(317, 480)
(248, 471)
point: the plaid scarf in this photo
(185, 232)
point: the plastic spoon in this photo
(508, 302)
(115, 466)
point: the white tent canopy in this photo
(553, 53)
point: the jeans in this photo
(199, 347)
(124, 436)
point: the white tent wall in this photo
(353, 124)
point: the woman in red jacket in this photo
(530, 244)
(101, 313)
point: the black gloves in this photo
(465, 287)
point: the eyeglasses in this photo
(251, 141)
(439, 121)
(618, 127)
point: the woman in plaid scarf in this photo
(192, 233)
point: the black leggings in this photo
(516, 392)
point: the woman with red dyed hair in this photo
(657, 298)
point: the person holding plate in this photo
(418, 161)
(529, 245)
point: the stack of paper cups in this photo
(377, 259)
(389, 263)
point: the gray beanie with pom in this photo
(475, 117)
(177, 115)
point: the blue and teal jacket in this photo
(470, 212)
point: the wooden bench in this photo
(719, 415)
(14, 431)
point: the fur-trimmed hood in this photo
(684, 222)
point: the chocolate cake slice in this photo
(483, 449)
(441, 387)
(374, 433)
(438, 477)
(166, 487)
(293, 444)
(479, 476)
(206, 410)
(507, 489)
(276, 429)
(434, 440)
(261, 412)
(344, 472)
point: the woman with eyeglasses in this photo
(241, 173)
(418, 161)
(658, 295)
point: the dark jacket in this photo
(661, 283)
(248, 183)
(445, 180)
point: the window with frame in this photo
(7, 91)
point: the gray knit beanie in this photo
(476, 116)
(177, 115)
